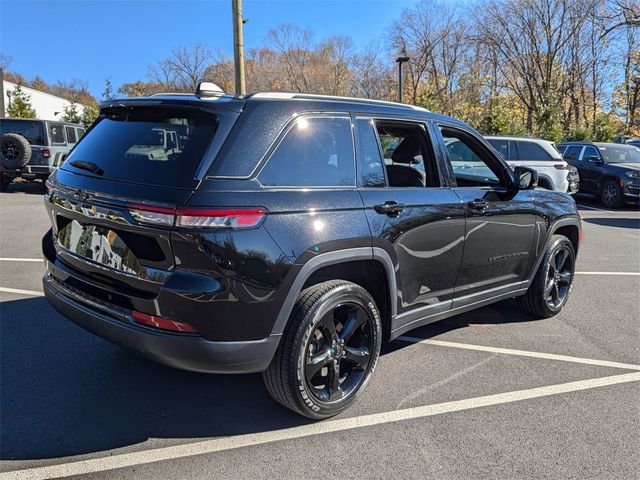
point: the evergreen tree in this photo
(71, 113)
(108, 93)
(20, 106)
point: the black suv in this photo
(292, 234)
(611, 171)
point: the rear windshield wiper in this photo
(92, 167)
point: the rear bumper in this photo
(184, 351)
(29, 171)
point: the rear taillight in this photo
(562, 166)
(46, 153)
(241, 218)
(197, 217)
(162, 323)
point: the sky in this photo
(95, 40)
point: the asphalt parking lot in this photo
(488, 394)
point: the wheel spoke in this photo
(335, 391)
(548, 287)
(328, 322)
(316, 362)
(359, 356)
(565, 278)
(555, 294)
(355, 320)
(561, 257)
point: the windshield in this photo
(621, 154)
(32, 131)
(149, 145)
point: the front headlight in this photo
(632, 174)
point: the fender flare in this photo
(333, 258)
(553, 228)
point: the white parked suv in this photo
(541, 155)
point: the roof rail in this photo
(171, 94)
(311, 96)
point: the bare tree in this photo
(336, 51)
(294, 46)
(373, 78)
(183, 69)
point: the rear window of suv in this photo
(32, 131)
(532, 151)
(149, 145)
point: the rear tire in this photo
(4, 184)
(15, 151)
(328, 351)
(611, 195)
(548, 293)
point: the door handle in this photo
(478, 204)
(390, 208)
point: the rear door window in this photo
(408, 154)
(532, 151)
(71, 134)
(149, 145)
(315, 152)
(56, 134)
(368, 152)
(32, 131)
(572, 152)
(501, 146)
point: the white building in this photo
(47, 106)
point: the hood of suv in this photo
(627, 166)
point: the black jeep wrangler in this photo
(292, 234)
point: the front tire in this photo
(328, 352)
(611, 195)
(549, 292)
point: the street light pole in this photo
(238, 46)
(400, 61)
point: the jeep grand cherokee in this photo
(292, 234)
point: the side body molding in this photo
(332, 258)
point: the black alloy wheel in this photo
(9, 150)
(551, 286)
(339, 352)
(611, 195)
(559, 276)
(328, 351)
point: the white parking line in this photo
(33, 293)
(522, 353)
(594, 208)
(633, 274)
(10, 259)
(112, 462)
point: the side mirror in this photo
(594, 159)
(525, 178)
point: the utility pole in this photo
(2, 93)
(400, 61)
(238, 46)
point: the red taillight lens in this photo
(562, 166)
(162, 323)
(240, 218)
(197, 217)
(46, 153)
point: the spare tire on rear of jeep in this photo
(15, 151)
